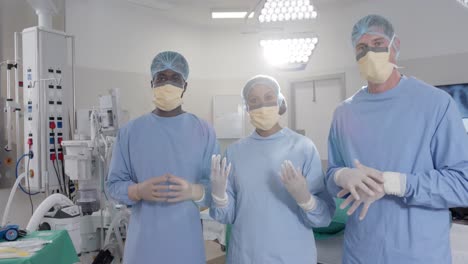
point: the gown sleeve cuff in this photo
(395, 183)
(133, 194)
(198, 191)
(220, 202)
(309, 205)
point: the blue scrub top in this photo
(152, 146)
(268, 226)
(417, 130)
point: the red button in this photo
(30, 141)
(52, 156)
(60, 156)
(52, 125)
(60, 141)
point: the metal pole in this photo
(8, 107)
(72, 116)
(73, 86)
(43, 130)
(17, 112)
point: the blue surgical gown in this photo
(414, 129)
(152, 146)
(268, 226)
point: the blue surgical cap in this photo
(265, 80)
(372, 24)
(170, 60)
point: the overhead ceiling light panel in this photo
(289, 53)
(230, 14)
(286, 10)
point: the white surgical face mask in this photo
(167, 97)
(374, 64)
(264, 118)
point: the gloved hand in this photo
(219, 178)
(150, 190)
(296, 185)
(182, 190)
(363, 178)
(366, 200)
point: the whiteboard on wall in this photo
(228, 116)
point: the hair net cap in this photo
(265, 80)
(372, 24)
(170, 60)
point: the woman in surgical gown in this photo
(273, 190)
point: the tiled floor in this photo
(214, 255)
(219, 260)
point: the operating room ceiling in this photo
(197, 12)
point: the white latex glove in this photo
(363, 178)
(182, 190)
(150, 190)
(296, 185)
(366, 200)
(219, 178)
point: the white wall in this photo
(115, 43)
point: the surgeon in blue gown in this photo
(270, 186)
(161, 167)
(399, 150)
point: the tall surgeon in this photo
(161, 167)
(399, 150)
(270, 186)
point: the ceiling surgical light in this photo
(290, 53)
(286, 10)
